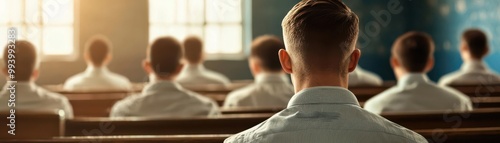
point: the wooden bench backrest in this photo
(484, 117)
(32, 125)
(236, 123)
(459, 135)
(214, 138)
(148, 126)
(462, 135)
(93, 105)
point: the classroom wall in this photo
(125, 22)
(380, 23)
(445, 20)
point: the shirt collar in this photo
(94, 70)
(323, 95)
(21, 85)
(198, 67)
(271, 78)
(474, 65)
(163, 85)
(412, 78)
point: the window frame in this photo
(243, 24)
(24, 24)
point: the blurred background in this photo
(60, 28)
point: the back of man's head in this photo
(24, 59)
(477, 43)
(265, 50)
(193, 48)
(165, 55)
(98, 50)
(414, 51)
(320, 35)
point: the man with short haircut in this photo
(97, 77)
(412, 57)
(473, 49)
(272, 87)
(195, 73)
(320, 37)
(163, 97)
(28, 95)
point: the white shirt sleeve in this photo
(68, 109)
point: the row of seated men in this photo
(319, 107)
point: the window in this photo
(217, 22)
(48, 24)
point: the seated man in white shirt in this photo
(195, 73)
(25, 94)
(163, 97)
(320, 37)
(272, 87)
(362, 77)
(412, 57)
(97, 77)
(473, 49)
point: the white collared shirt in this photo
(198, 74)
(325, 115)
(362, 77)
(165, 99)
(472, 72)
(269, 90)
(97, 79)
(416, 93)
(30, 97)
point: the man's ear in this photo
(354, 59)
(430, 65)
(394, 62)
(35, 74)
(146, 65)
(5, 72)
(179, 68)
(254, 66)
(107, 60)
(286, 61)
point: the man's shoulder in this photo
(376, 126)
(242, 92)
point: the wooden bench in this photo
(32, 125)
(214, 138)
(483, 117)
(459, 135)
(462, 135)
(161, 126)
(93, 105)
(231, 124)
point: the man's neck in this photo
(154, 78)
(303, 82)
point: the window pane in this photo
(156, 31)
(223, 11)
(20, 31)
(224, 39)
(56, 12)
(181, 13)
(10, 11)
(196, 10)
(3, 39)
(32, 12)
(58, 40)
(162, 11)
(31, 34)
